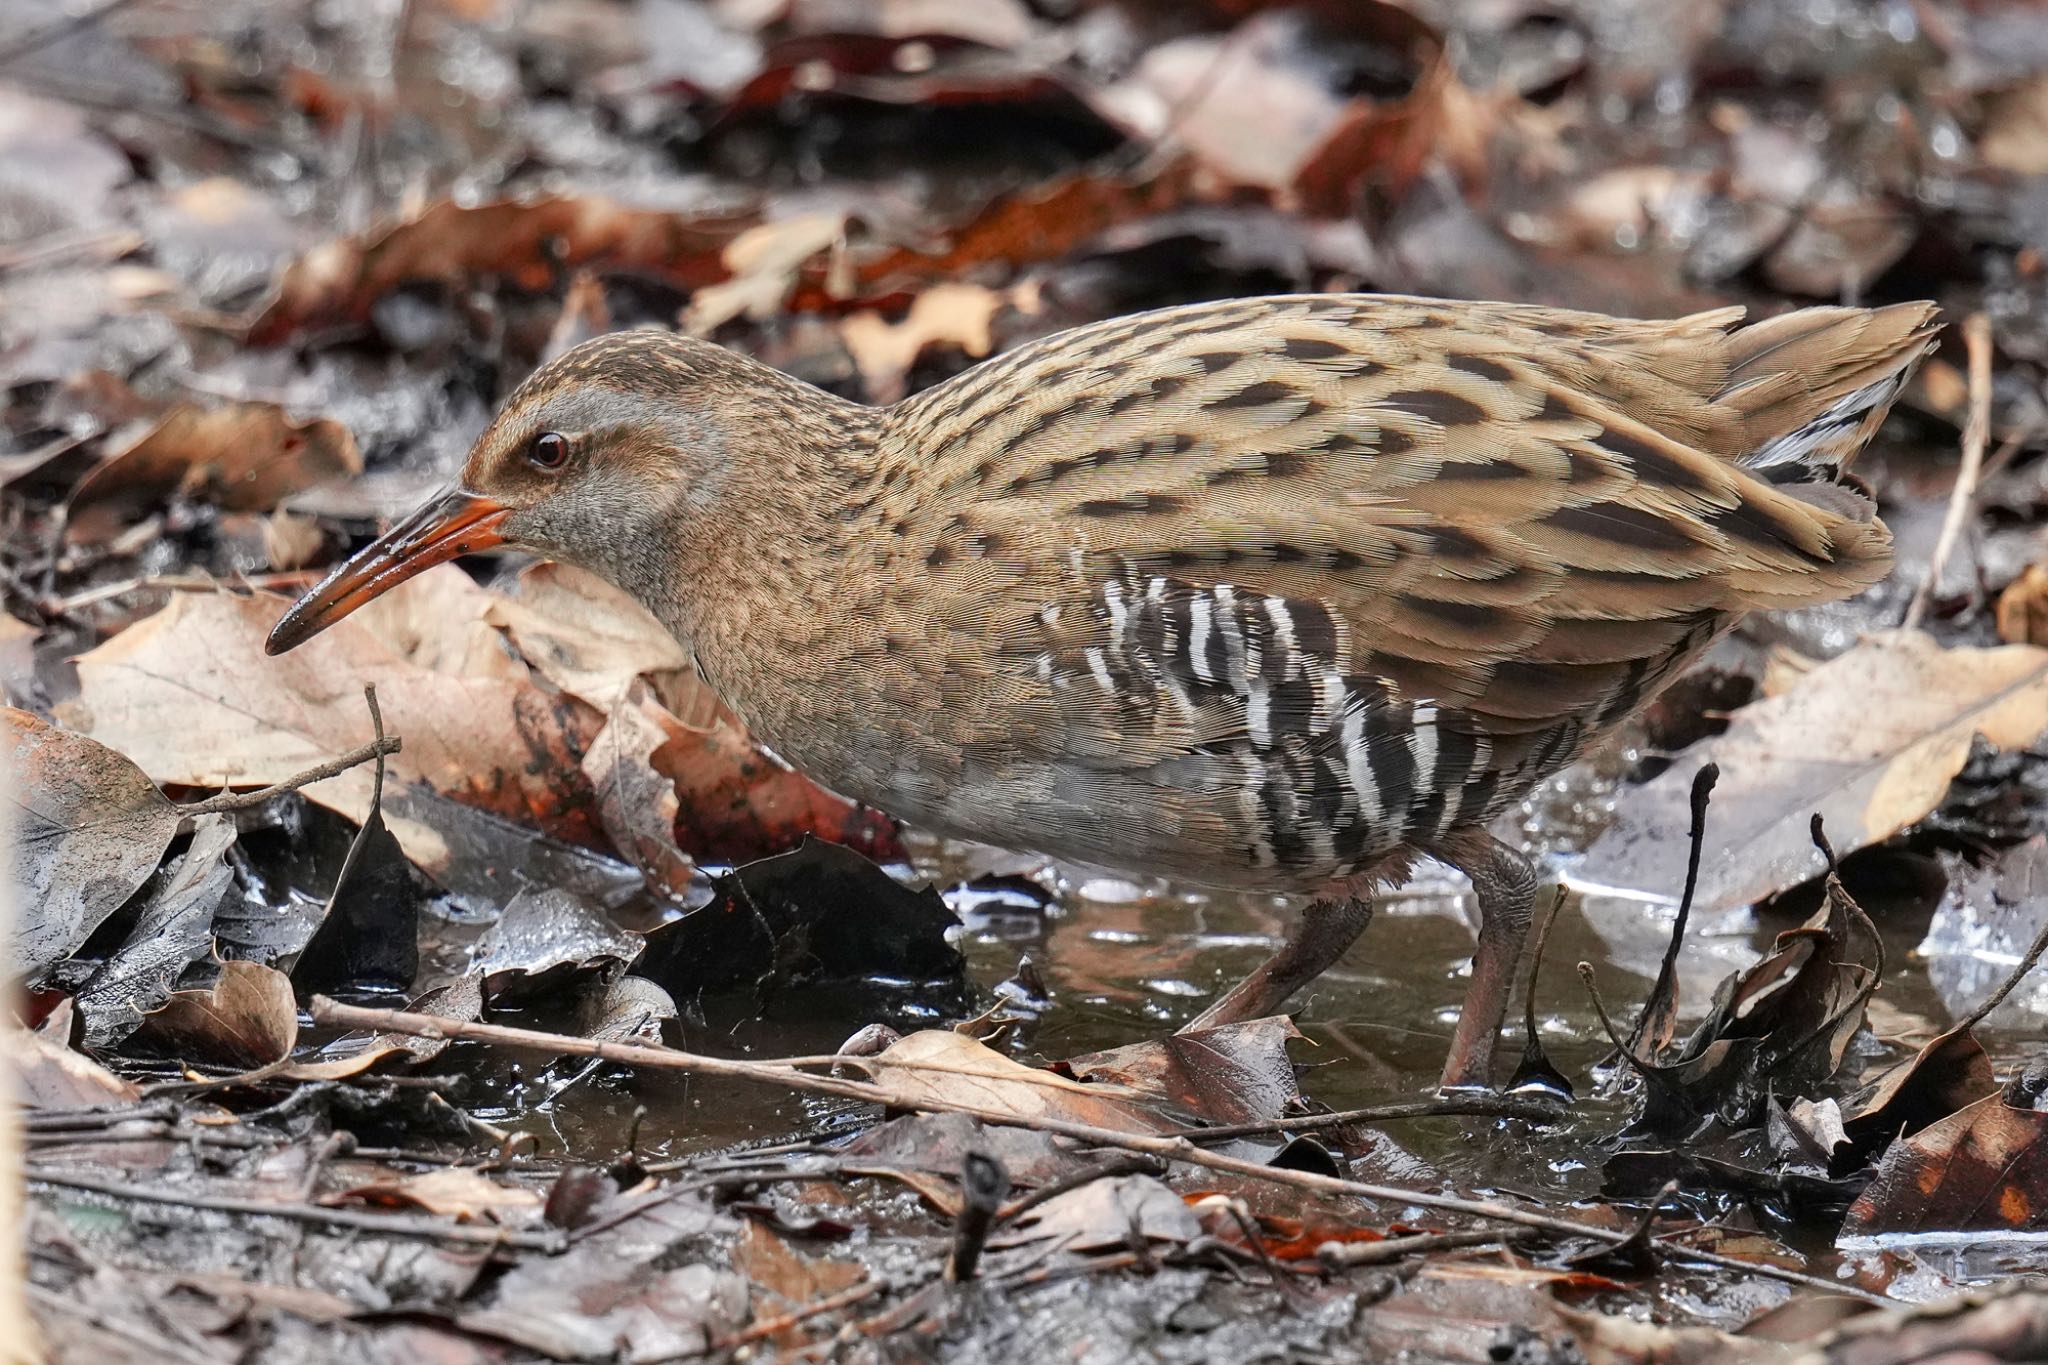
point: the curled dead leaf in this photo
(247, 1019)
(1871, 740)
(245, 457)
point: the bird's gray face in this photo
(598, 477)
(576, 469)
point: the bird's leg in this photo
(1505, 884)
(1328, 926)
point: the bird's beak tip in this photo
(456, 522)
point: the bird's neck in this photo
(764, 583)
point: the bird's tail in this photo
(1813, 386)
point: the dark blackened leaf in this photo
(370, 933)
(545, 933)
(821, 913)
(1782, 1026)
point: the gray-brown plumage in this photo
(1270, 593)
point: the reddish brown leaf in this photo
(526, 241)
(245, 457)
(1983, 1168)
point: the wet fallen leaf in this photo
(453, 1192)
(248, 1018)
(369, 932)
(461, 1000)
(631, 1009)
(244, 457)
(937, 1145)
(173, 931)
(1239, 1073)
(1983, 1168)
(819, 913)
(938, 1064)
(2008, 1322)
(618, 1295)
(1113, 1212)
(545, 929)
(91, 828)
(1870, 740)
(1781, 1026)
(1951, 1071)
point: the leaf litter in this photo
(231, 348)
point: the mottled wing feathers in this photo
(1386, 550)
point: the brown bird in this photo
(1270, 593)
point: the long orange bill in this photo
(456, 522)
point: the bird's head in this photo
(604, 458)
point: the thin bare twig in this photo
(391, 1225)
(768, 1327)
(328, 1011)
(375, 749)
(1346, 1255)
(1449, 1106)
(1976, 433)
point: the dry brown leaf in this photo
(49, 1075)
(736, 801)
(765, 263)
(1239, 1073)
(2023, 608)
(190, 696)
(1016, 230)
(788, 1278)
(1238, 101)
(1870, 741)
(637, 805)
(245, 457)
(248, 1019)
(2015, 136)
(587, 637)
(946, 314)
(953, 1067)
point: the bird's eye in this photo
(550, 450)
